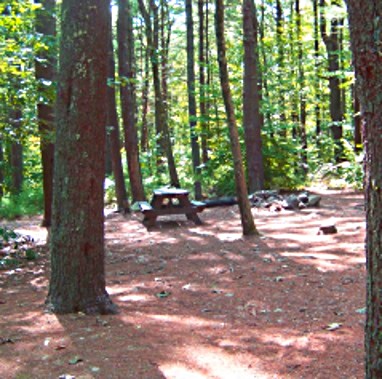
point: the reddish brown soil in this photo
(202, 301)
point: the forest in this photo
(308, 114)
(108, 104)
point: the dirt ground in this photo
(202, 301)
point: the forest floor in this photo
(202, 301)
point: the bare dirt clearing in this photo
(202, 301)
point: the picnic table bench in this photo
(170, 201)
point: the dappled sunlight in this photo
(136, 298)
(188, 321)
(27, 323)
(211, 362)
(198, 302)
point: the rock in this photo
(291, 202)
(266, 194)
(313, 200)
(301, 205)
(303, 197)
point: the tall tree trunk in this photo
(332, 46)
(45, 68)
(317, 90)
(16, 154)
(163, 135)
(301, 93)
(113, 130)
(145, 95)
(202, 83)
(247, 221)
(357, 122)
(280, 63)
(77, 281)
(252, 118)
(126, 65)
(365, 19)
(192, 100)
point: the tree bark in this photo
(126, 64)
(252, 118)
(77, 281)
(301, 93)
(335, 103)
(202, 83)
(163, 135)
(16, 154)
(317, 89)
(113, 130)
(45, 70)
(192, 100)
(365, 19)
(247, 221)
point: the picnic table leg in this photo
(195, 218)
(185, 202)
(149, 220)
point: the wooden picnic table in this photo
(171, 201)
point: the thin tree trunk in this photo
(301, 93)
(332, 46)
(192, 100)
(280, 64)
(252, 118)
(357, 122)
(16, 155)
(126, 65)
(113, 131)
(202, 83)
(317, 91)
(247, 221)
(145, 95)
(163, 135)
(45, 69)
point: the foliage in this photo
(15, 248)
(28, 202)
(283, 89)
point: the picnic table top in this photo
(170, 191)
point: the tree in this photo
(126, 64)
(192, 99)
(45, 68)
(332, 43)
(16, 152)
(252, 118)
(301, 92)
(164, 146)
(77, 281)
(202, 55)
(113, 129)
(247, 221)
(365, 19)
